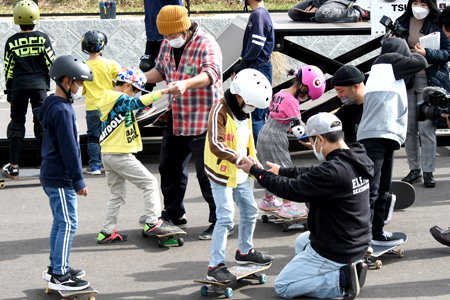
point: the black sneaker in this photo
(220, 274)
(67, 282)
(145, 112)
(386, 239)
(413, 176)
(10, 171)
(361, 270)
(180, 223)
(350, 283)
(253, 257)
(207, 234)
(77, 273)
(104, 238)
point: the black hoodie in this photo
(338, 190)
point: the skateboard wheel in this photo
(378, 264)
(91, 298)
(47, 290)
(2, 185)
(400, 253)
(180, 242)
(284, 227)
(262, 278)
(160, 243)
(204, 290)
(265, 218)
(228, 292)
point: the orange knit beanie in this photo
(173, 19)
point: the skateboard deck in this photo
(241, 272)
(24, 174)
(380, 250)
(405, 194)
(295, 223)
(75, 294)
(170, 241)
(304, 11)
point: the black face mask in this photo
(234, 106)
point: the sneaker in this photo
(180, 223)
(440, 235)
(104, 238)
(94, 170)
(363, 11)
(361, 270)
(207, 234)
(413, 176)
(67, 282)
(10, 171)
(220, 274)
(161, 228)
(145, 112)
(428, 180)
(253, 257)
(386, 240)
(270, 204)
(349, 281)
(290, 211)
(77, 273)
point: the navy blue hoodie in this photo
(61, 165)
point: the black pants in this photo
(16, 127)
(176, 152)
(381, 152)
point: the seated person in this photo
(330, 11)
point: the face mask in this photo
(318, 155)
(178, 42)
(347, 100)
(300, 99)
(248, 109)
(79, 92)
(420, 12)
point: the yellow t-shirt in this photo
(104, 71)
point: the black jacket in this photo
(338, 191)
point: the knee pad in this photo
(146, 63)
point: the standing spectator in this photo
(28, 57)
(257, 48)
(190, 60)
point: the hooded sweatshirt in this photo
(61, 164)
(385, 113)
(338, 190)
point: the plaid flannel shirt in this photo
(190, 111)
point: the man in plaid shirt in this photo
(191, 61)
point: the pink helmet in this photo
(313, 77)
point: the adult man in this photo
(339, 216)
(191, 61)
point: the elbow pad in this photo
(298, 127)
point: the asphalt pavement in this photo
(139, 269)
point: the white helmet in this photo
(253, 87)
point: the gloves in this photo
(243, 64)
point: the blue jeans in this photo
(308, 274)
(258, 115)
(223, 197)
(63, 203)
(93, 131)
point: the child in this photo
(105, 71)
(28, 56)
(61, 176)
(120, 138)
(285, 113)
(229, 138)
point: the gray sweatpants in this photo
(337, 11)
(119, 168)
(420, 134)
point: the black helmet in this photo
(93, 41)
(72, 67)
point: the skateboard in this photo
(405, 194)
(75, 294)
(241, 273)
(304, 11)
(380, 250)
(164, 239)
(24, 174)
(286, 224)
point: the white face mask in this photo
(318, 155)
(248, 109)
(178, 42)
(79, 92)
(347, 100)
(420, 12)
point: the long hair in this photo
(434, 10)
(298, 76)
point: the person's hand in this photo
(232, 76)
(311, 8)
(177, 87)
(446, 118)
(255, 161)
(245, 164)
(83, 192)
(274, 168)
(167, 90)
(419, 49)
(306, 144)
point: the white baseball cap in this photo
(322, 123)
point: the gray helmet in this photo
(72, 67)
